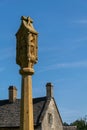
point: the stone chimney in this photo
(12, 94)
(49, 90)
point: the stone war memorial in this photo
(29, 113)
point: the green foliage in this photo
(81, 124)
(65, 124)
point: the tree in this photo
(65, 124)
(81, 124)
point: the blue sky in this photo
(62, 52)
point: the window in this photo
(50, 119)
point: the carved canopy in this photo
(26, 46)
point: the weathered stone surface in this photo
(55, 122)
(26, 57)
(12, 94)
(26, 48)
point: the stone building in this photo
(46, 113)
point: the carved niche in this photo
(26, 46)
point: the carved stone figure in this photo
(27, 47)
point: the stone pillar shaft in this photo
(26, 57)
(26, 103)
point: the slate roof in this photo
(10, 112)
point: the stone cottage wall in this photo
(52, 122)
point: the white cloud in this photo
(81, 39)
(84, 21)
(64, 65)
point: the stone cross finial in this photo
(28, 20)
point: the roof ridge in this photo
(44, 108)
(39, 97)
(20, 98)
